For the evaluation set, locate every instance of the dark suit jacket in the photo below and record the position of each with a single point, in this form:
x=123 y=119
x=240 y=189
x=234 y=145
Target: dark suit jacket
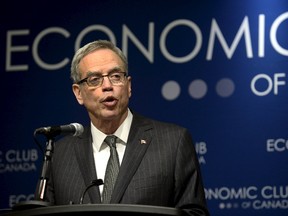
x=162 y=172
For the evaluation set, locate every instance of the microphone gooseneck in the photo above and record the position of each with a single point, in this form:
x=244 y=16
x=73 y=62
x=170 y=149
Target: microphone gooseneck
x=50 y=132
x=96 y=182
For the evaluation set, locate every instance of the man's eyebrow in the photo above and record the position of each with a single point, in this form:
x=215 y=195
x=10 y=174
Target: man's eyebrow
x=92 y=73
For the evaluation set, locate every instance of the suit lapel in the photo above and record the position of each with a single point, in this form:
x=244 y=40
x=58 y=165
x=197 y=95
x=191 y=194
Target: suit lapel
x=137 y=144
x=85 y=158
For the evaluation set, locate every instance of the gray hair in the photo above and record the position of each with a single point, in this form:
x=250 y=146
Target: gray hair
x=89 y=48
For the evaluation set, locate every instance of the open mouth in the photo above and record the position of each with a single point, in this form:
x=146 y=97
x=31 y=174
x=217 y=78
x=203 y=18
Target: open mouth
x=109 y=101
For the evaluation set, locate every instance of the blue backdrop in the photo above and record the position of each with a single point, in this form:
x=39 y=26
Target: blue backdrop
x=218 y=68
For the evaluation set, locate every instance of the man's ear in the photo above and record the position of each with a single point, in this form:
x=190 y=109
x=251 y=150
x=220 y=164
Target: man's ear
x=129 y=87
x=77 y=92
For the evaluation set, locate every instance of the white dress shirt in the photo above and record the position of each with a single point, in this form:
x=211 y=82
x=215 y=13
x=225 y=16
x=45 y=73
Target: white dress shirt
x=101 y=151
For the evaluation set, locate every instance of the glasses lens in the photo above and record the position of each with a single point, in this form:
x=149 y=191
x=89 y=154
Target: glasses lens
x=117 y=77
x=94 y=80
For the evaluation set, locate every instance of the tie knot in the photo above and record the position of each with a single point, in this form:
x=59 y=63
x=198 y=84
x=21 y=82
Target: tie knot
x=111 y=140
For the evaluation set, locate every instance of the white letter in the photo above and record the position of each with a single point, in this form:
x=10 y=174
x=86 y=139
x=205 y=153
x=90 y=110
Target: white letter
x=147 y=53
x=270 y=144
x=193 y=53
x=273 y=33
x=10 y=156
x=277 y=147
x=10 y=49
x=277 y=82
x=244 y=29
x=253 y=82
x=12 y=200
x=249 y=195
x=36 y=44
x=264 y=194
x=261 y=36
x=34 y=154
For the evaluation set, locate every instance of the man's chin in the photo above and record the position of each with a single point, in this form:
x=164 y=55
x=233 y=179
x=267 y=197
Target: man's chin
x=110 y=114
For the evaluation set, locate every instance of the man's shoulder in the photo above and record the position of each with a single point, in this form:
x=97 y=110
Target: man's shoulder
x=157 y=122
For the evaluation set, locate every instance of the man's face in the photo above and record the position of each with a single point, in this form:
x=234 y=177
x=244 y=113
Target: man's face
x=108 y=101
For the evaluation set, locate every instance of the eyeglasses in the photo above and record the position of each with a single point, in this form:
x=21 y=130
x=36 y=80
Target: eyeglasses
x=96 y=80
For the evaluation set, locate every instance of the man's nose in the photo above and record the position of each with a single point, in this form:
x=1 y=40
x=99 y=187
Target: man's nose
x=106 y=82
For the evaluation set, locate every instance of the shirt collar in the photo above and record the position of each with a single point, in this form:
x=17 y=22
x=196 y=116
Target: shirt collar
x=122 y=132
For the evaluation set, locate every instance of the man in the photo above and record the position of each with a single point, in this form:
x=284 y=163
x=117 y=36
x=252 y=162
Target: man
x=158 y=163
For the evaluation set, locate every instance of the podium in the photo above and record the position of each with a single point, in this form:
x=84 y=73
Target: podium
x=96 y=209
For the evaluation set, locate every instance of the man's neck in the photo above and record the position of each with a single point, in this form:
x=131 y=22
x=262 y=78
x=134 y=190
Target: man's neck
x=109 y=126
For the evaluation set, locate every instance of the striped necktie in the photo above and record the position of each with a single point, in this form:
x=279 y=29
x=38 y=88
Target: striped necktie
x=112 y=169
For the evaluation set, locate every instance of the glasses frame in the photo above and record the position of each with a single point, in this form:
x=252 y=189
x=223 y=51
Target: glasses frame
x=102 y=78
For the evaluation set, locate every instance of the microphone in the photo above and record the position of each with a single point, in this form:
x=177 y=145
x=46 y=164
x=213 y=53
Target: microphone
x=96 y=182
x=74 y=128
